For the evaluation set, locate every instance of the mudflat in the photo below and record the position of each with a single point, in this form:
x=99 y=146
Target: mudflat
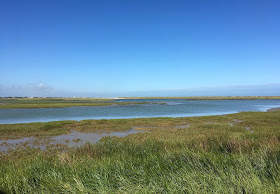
x=273 y=109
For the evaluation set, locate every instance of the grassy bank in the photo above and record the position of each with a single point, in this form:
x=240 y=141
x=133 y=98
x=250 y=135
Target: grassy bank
x=237 y=153
x=19 y=103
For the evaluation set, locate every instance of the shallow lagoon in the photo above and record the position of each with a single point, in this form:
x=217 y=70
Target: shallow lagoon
x=170 y=108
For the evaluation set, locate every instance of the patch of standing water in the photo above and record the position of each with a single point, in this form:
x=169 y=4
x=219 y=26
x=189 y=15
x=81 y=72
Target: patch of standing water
x=235 y=121
x=74 y=139
x=249 y=129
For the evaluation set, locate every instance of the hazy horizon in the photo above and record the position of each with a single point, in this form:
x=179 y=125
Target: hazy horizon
x=251 y=90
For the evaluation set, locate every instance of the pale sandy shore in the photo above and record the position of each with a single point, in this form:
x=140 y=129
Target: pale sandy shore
x=273 y=109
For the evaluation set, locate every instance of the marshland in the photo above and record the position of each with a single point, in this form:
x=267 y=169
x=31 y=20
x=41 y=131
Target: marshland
x=228 y=153
x=139 y=96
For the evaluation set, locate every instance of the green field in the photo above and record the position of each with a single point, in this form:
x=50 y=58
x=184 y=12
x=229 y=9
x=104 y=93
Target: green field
x=236 y=153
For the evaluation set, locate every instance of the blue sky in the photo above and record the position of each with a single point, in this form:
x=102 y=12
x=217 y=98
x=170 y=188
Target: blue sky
x=139 y=48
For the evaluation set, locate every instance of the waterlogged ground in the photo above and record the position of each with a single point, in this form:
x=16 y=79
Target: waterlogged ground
x=76 y=138
x=136 y=108
x=72 y=139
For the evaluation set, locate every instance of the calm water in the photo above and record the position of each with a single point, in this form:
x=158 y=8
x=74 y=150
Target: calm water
x=172 y=108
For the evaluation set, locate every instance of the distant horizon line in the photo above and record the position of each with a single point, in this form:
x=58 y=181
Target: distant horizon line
x=125 y=97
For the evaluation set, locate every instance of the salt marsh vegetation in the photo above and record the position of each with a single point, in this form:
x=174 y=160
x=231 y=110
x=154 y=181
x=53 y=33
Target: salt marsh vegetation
x=208 y=154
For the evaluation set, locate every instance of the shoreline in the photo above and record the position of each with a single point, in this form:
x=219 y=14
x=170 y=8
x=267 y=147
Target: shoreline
x=122 y=123
x=273 y=109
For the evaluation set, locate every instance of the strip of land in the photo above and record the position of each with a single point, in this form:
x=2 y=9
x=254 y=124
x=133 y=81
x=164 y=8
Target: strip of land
x=26 y=103
x=209 y=97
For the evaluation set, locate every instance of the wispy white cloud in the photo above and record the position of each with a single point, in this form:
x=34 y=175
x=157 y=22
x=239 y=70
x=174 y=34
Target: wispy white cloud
x=40 y=89
x=43 y=90
x=40 y=86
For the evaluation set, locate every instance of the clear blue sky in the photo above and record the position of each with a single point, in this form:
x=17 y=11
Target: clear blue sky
x=139 y=47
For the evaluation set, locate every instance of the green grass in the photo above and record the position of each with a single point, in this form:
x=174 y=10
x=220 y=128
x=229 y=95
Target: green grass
x=209 y=156
x=13 y=131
